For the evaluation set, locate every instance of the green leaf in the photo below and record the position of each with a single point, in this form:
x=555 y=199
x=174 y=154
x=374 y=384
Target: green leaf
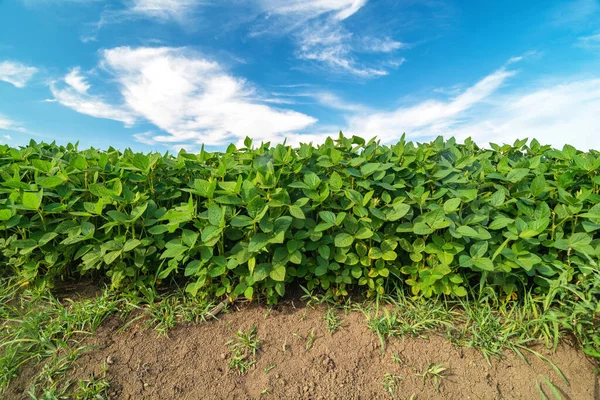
x=217 y=270
x=50 y=181
x=5 y=215
x=397 y=212
x=451 y=205
x=517 y=174
x=343 y=240
x=258 y=242
x=369 y=168
x=484 y=263
x=131 y=244
x=328 y=217
x=467 y=231
x=189 y=237
x=296 y=212
x=363 y=233
x=215 y=215
x=241 y=221
x=278 y=273
x=420 y=228
x=538 y=185
x=32 y=201
x=173 y=250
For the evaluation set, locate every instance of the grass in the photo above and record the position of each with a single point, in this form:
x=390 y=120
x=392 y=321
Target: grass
x=407 y=317
x=332 y=322
x=436 y=372
x=39 y=328
x=391 y=383
x=243 y=348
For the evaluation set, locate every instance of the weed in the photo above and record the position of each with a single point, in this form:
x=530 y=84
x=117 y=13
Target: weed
x=397 y=358
x=332 y=321
x=436 y=372
x=553 y=389
x=243 y=348
x=269 y=367
x=310 y=339
x=390 y=383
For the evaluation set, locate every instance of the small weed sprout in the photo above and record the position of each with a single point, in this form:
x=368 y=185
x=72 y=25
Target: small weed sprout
x=243 y=348
x=436 y=372
x=269 y=367
x=332 y=321
x=390 y=383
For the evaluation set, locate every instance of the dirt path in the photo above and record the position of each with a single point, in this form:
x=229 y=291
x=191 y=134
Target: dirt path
x=192 y=363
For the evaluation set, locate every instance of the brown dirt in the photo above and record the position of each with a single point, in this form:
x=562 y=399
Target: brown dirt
x=192 y=363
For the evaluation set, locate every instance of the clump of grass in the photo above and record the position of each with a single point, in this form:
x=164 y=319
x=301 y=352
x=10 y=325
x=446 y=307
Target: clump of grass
x=243 y=348
x=39 y=327
x=332 y=321
x=408 y=317
x=390 y=383
x=435 y=372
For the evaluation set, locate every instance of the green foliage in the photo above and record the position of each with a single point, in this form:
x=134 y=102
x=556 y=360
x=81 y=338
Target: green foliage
x=441 y=217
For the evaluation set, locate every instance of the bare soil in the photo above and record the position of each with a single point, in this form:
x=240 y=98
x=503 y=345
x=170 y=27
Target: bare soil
x=192 y=363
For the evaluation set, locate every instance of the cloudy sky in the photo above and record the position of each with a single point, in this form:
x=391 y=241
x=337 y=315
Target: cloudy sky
x=170 y=74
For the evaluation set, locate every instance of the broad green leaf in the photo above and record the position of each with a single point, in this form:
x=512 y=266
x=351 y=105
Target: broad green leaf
x=296 y=212
x=50 y=181
x=397 y=212
x=451 y=205
x=278 y=273
x=258 y=242
x=538 y=185
x=343 y=240
x=32 y=201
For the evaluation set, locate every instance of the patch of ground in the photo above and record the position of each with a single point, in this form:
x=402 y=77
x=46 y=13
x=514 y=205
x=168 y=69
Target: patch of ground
x=192 y=363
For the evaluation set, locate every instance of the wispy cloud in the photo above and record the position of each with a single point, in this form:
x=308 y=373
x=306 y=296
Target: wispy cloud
x=72 y=92
x=591 y=41
x=430 y=117
x=309 y=9
x=556 y=115
x=16 y=73
x=7 y=124
x=322 y=39
x=330 y=45
x=191 y=99
x=381 y=45
x=163 y=9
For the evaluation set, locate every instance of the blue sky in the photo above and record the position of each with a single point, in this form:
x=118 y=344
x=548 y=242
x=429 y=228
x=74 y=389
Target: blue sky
x=169 y=74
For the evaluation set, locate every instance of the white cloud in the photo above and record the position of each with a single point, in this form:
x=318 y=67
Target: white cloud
x=77 y=81
x=335 y=102
x=309 y=9
x=430 y=117
x=385 y=45
x=318 y=29
x=330 y=45
x=7 y=124
x=191 y=99
x=556 y=115
x=163 y=9
x=74 y=94
x=16 y=73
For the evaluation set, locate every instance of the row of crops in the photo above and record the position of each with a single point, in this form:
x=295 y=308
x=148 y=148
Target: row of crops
x=439 y=217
